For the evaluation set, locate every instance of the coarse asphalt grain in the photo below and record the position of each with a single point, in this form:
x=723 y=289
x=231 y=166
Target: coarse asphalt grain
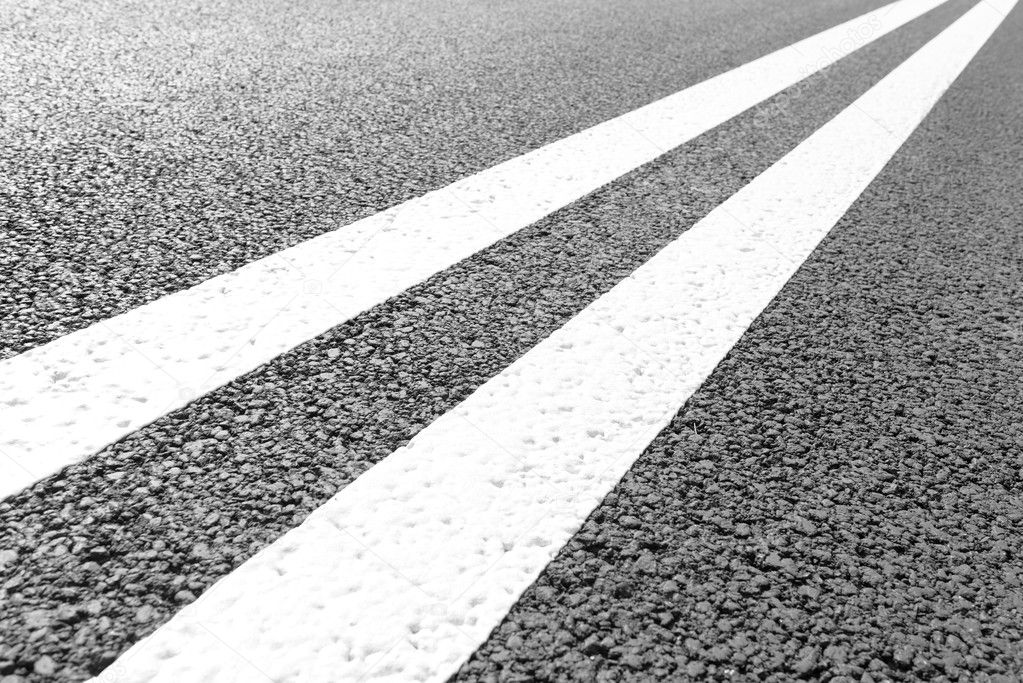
x=843 y=498
x=104 y=552
x=149 y=146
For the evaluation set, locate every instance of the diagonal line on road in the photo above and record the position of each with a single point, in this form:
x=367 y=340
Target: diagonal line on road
x=570 y=416
x=182 y=340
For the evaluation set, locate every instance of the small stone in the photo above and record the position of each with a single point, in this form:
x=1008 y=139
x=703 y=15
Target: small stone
x=545 y=593
x=632 y=660
x=903 y=655
x=91 y=567
x=951 y=660
x=646 y=563
x=807 y=661
x=871 y=577
x=806 y=526
x=38 y=618
x=719 y=653
x=7 y=556
x=191 y=447
x=811 y=592
x=45 y=666
x=630 y=522
x=104 y=659
x=99 y=553
x=66 y=613
x=592 y=646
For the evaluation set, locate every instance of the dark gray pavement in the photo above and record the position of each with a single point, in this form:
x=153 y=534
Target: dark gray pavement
x=843 y=498
x=148 y=146
x=106 y=551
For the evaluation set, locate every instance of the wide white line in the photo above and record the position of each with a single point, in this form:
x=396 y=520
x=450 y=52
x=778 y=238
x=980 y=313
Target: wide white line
x=403 y=573
x=67 y=399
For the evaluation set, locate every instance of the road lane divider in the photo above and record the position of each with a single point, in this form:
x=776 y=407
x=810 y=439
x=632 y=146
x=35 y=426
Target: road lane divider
x=402 y=574
x=66 y=400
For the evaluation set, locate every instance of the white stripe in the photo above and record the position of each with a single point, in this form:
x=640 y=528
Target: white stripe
x=66 y=400
x=402 y=574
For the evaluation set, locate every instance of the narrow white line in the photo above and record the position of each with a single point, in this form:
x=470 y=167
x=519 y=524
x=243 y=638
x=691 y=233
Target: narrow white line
x=66 y=400
x=402 y=574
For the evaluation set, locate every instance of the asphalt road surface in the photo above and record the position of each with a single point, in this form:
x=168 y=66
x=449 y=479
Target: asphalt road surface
x=839 y=497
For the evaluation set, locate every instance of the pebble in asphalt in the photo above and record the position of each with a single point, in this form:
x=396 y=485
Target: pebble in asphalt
x=841 y=500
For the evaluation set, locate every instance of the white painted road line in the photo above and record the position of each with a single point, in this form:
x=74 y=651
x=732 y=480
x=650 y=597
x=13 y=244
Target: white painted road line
x=67 y=399
x=402 y=574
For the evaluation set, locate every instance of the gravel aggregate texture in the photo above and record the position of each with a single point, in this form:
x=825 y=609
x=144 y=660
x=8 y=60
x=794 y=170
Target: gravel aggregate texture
x=842 y=499
x=87 y=389
x=408 y=569
x=104 y=552
x=148 y=147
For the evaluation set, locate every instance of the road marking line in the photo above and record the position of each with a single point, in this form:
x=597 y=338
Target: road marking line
x=66 y=400
x=402 y=574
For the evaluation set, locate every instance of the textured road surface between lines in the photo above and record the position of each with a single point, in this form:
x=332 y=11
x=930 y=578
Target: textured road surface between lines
x=74 y=395
x=148 y=147
x=842 y=499
x=405 y=572
x=109 y=549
